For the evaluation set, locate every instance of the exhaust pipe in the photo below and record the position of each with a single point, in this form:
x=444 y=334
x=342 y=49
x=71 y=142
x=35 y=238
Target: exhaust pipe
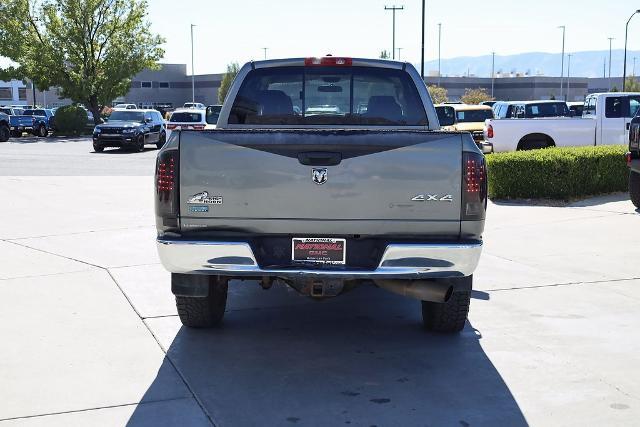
x=424 y=290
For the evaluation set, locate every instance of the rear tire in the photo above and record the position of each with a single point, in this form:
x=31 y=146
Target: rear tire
x=161 y=140
x=42 y=131
x=204 y=312
x=449 y=317
x=5 y=133
x=535 y=142
x=139 y=146
x=634 y=188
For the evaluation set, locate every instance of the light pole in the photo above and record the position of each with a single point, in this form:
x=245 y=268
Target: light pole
x=624 y=67
x=393 y=10
x=610 y=40
x=265 y=52
x=562 y=60
x=193 y=79
x=399 y=49
x=439 y=39
x=493 y=66
x=568 y=75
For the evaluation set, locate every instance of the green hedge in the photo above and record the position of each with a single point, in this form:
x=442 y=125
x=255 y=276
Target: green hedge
x=70 y=120
x=557 y=173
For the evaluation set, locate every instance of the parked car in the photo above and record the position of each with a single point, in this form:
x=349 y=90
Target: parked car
x=530 y=109
x=131 y=129
x=213 y=113
x=5 y=132
x=126 y=107
x=633 y=161
x=187 y=119
x=197 y=105
x=605 y=121
x=488 y=103
x=10 y=111
x=323 y=202
x=576 y=108
x=469 y=118
x=35 y=121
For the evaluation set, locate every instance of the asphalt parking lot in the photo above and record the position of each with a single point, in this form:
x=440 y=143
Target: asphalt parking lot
x=90 y=334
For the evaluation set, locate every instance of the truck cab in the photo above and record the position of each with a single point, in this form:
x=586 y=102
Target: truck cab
x=612 y=112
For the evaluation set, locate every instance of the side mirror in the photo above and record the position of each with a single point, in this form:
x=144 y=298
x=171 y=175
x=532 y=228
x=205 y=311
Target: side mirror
x=148 y=120
x=446 y=115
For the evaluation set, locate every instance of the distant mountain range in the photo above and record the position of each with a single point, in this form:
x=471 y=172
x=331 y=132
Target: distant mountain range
x=583 y=64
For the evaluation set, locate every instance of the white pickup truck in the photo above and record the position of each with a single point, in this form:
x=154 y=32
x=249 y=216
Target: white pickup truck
x=605 y=121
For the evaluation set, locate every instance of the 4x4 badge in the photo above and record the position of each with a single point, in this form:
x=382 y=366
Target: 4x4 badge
x=432 y=198
x=319 y=175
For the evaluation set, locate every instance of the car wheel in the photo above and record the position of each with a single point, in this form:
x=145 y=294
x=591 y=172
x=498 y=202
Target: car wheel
x=204 y=312
x=42 y=131
x=139 y=146
x=448 y=317
x=4 y=133
x=98 y=148
x=634 y=188
x=16 y=134
x=161 y=140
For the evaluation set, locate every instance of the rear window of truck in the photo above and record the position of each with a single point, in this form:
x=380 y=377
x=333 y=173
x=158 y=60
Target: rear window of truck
x=328 y=96
x=472 y=116
x=186 y=117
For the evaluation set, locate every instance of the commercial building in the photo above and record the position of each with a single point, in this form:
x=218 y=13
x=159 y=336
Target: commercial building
x=170 y=87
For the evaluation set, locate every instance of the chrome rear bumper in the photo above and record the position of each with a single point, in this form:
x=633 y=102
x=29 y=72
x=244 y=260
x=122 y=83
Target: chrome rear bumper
x=410 y=261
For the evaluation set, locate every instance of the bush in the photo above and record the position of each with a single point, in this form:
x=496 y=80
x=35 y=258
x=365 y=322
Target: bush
x=557 y=173
x=70 y=120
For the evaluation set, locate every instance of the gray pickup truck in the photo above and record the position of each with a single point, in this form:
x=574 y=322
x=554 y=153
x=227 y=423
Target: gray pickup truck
x=323 y=173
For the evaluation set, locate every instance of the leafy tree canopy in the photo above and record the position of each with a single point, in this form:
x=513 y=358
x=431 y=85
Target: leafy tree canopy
x=227 y=79
x=90 y=49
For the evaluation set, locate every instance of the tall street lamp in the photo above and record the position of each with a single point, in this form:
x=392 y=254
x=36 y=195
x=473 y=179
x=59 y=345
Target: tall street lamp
x=562 y=60
x=626 y=32
x=439 y=39
x=265 y=52
x=610 y=40
x=193 y=81
x=393 y=10
x=568 y=75
x=493 y=66
x=399 y=49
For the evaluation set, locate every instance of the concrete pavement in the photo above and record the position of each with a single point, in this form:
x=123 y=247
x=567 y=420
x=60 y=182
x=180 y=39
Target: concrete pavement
x=91 y=336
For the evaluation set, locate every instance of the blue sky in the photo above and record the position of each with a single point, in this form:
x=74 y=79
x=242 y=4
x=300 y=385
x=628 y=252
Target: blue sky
x=237 y=30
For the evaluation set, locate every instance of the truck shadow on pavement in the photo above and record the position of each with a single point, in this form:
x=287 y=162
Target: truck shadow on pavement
x=361 y=359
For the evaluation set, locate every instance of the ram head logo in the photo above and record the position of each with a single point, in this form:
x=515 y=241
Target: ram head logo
x=319 y=175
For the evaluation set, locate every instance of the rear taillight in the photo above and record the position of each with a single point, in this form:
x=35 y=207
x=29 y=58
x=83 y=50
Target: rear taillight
x=328 y=61
x=167 y=203
x=490 y=131
x=634 y=136
x=474 y=186
x=171 y=126
x=198 y=127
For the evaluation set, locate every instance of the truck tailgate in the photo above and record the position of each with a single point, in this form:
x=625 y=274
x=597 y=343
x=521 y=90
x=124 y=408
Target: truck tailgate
x=390 y=182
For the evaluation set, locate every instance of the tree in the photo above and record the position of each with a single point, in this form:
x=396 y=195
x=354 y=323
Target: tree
x=475 y=96
x=384 y=54
x=227 y=79
x=615 y=89
x=90 y=49
x=632 y=84
x=438 y=94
